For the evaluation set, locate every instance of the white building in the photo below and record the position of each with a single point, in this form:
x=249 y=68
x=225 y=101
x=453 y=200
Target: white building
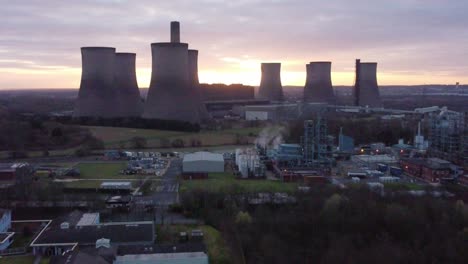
x=202 y=161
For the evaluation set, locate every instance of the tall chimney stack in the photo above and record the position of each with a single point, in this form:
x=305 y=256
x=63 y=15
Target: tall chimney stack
x=175 y=32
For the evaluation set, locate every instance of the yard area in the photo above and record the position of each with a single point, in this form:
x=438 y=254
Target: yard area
x=218 y=251
x=225 y=182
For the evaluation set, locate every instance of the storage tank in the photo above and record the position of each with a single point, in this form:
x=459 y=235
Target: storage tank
x=97 y=96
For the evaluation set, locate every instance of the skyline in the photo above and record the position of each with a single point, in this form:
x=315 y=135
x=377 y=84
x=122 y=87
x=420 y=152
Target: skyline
x=414 y=42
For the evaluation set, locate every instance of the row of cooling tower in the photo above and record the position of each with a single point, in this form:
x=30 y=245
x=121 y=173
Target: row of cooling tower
x=109 y=87
x=318 y=86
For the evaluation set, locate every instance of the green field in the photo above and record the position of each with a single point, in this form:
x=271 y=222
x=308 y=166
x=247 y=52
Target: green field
x=218 y=251
x=115 y=137
x=104 y=171
x=21 y=260
x=226 y=182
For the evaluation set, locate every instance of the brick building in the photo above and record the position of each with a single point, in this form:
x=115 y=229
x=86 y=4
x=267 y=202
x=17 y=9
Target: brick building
x=430 y=170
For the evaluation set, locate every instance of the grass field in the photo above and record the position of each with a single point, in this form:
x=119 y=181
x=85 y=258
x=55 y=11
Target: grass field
x=21 y=260
x=103 y=171
x=218 y=251
x=226 y=182
x=91 y=184
x=115 y=137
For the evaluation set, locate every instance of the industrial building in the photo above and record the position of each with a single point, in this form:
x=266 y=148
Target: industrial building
x=318 y=87
x=15 y=173
x=78 y=229
x=432 y=170
x=366 y=90
x=249 y=164
x=199 y=164
x=172 y=95
x=270 y=84
x=316 y=143
x=6 y=237
x=447 y=133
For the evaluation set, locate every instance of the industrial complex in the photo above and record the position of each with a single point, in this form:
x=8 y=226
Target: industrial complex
x=109 y=90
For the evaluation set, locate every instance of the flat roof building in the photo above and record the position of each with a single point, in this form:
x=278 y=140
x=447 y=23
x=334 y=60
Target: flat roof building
x=203 y=161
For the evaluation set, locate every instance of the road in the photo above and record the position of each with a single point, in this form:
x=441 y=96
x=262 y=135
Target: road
x=167 y=192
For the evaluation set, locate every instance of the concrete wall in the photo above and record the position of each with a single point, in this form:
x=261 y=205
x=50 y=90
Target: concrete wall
x=368 y=87
x=129 y=99
x=270 y=84
x=96 y=97
x=318 y=86
x=169 y=96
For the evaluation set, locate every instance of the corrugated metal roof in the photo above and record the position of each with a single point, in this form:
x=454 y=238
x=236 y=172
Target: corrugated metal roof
x=203 y=156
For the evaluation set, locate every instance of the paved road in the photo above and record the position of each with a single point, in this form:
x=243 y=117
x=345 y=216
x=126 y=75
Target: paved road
x=167 y=192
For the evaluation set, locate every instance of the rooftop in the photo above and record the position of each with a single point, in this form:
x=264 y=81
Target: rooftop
x=203 y=155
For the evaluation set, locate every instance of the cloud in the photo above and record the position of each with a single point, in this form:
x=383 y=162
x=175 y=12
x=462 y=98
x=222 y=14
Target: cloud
x=412 y=36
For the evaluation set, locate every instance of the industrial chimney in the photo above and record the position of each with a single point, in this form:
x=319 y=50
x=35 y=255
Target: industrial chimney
x=96 y=97
x=170 y=95
x=126 y=86
x=318 y=87
x=270 y=84
x=193 y=79
x=175 y=32
x=367 y=93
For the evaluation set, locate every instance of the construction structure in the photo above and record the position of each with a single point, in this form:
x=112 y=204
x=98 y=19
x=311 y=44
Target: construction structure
x=171 y=94
x=315 y=142
x=270 y=84
x=447 y=135
x=366 y=90
x=318 y=87
x=129 y=102
x=97 y=96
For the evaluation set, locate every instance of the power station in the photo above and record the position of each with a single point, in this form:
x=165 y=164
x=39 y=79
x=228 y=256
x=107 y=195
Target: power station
x=270 y=84
x=366 y=90
x=318 y=87
x=109 y=87
x=171 y=95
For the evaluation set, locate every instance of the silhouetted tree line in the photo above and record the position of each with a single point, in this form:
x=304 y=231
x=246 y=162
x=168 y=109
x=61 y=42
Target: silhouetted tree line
x=363 y=131
x=328 y=225
x=131 y=122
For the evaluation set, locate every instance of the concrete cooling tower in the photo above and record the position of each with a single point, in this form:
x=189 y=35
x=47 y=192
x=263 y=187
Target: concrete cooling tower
x=128 y=95
x=318 y=87
x=270 y=84
x=96 y=96
x=170 y=95
x=367 y=89
x=193 y=79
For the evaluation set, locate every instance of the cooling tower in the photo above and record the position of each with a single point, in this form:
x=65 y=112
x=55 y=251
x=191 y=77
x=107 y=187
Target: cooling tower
x=170 y=95
x=318 y=87
x=270 y=84
x=128 y=94
x=368 y=92
x=96 y=97
x=193 y=79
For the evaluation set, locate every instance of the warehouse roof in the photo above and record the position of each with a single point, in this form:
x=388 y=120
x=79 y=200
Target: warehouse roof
x=203 y=156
